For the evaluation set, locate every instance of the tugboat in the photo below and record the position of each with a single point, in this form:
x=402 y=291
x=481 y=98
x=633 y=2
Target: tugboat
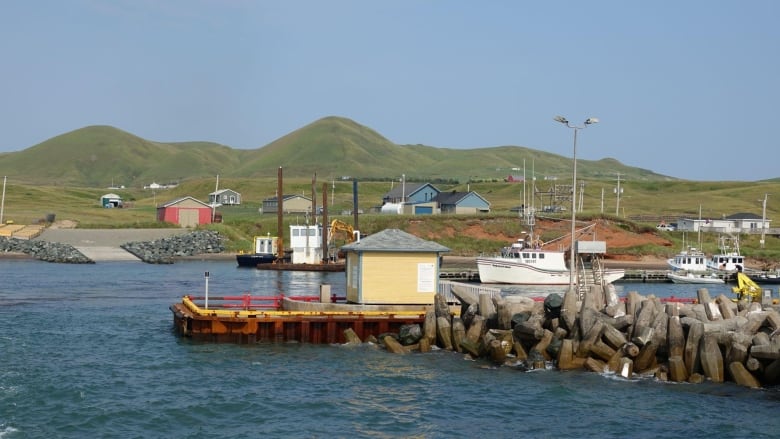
x=264 y=252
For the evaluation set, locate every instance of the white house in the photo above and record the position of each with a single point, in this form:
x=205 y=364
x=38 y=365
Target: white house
x=736 y=223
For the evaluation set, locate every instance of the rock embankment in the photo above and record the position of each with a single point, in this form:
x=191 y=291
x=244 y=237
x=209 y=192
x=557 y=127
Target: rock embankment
x=165 y=250
x=44 y=250
x=712 y=339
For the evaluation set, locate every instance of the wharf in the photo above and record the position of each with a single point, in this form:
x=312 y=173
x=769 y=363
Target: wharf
x=287 y=266
x=251 y=323
x=646 y=276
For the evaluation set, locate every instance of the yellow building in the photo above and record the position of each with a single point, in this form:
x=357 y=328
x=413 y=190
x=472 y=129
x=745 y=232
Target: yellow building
x=392 y=267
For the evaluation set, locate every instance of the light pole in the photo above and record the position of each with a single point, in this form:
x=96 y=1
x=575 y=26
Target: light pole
x=572 y=264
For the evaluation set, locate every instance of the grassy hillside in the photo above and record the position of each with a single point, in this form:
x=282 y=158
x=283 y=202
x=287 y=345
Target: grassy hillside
x=100 y=156
x=332 y=147
x=30 y=203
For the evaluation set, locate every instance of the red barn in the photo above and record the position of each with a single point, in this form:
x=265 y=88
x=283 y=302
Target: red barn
x=186 y=212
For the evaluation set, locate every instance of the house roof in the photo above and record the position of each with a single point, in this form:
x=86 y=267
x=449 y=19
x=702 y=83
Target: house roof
x=407 y=189
x=734 y=217
x=222 y=191
x=395 y=240
x=179 y=200
x=111 y=195
x=743 y=216
x=455 y=197
x=288 y=197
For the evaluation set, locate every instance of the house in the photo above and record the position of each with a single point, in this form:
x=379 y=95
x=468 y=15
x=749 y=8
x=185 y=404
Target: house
x=111 y=200
x=736 y=223
x=411 y=199
x=462 y=203
x=411 y=193
x=392 y=267
x=186 y=212
x=225 y=197
x=290 y=204
x=425 y=199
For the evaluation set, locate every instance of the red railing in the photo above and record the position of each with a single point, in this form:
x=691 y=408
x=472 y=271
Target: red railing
x=248 y=301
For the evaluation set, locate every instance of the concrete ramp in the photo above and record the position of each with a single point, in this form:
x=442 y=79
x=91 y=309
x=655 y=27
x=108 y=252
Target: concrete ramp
x=104 y=244
x=104 y=254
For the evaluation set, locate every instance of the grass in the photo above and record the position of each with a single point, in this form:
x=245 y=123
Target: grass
x=27 y=204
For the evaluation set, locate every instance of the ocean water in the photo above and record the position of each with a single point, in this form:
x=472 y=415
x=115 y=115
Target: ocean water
x=88 y=351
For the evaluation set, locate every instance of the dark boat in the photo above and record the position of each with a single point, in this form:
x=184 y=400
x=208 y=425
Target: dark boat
x=264 y=252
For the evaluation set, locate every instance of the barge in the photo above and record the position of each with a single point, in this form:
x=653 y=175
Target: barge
x=249 y=323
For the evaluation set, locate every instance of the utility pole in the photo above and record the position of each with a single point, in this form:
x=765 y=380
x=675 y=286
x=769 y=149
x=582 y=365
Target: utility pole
x=763 y=221
x=602 y=200
x=618 y=191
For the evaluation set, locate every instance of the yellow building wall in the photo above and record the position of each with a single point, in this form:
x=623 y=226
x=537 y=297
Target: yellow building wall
x=392 y=278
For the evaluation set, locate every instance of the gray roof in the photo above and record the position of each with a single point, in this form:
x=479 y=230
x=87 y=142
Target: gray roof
x=395 y=240
x=407 y=189
x=450 y=197
x=222 y=191
x=743 y=216
x=286 y=197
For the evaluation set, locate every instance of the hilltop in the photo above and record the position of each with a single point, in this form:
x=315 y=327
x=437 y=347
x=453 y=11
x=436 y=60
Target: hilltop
x=335 y=147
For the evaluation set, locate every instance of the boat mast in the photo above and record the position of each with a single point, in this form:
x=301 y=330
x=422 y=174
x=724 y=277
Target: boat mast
x=528 y=214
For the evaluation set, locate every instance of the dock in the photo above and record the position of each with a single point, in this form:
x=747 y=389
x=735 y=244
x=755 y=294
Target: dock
x=288 y=266
x=251 y=323
x=645 y=276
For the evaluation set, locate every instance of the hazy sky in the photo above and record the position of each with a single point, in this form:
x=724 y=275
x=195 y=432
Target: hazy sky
x=683 y=88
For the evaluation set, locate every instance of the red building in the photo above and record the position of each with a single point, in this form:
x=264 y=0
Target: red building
x=186 y=212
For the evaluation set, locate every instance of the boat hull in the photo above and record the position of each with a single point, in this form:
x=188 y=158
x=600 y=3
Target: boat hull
x=694 y=279
x=252 y=259
x=513 y=271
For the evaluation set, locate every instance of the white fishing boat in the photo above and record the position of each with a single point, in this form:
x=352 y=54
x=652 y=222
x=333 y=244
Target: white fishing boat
x=691 y=260
x=527 y=262
x=695 y=278
x=728 y=259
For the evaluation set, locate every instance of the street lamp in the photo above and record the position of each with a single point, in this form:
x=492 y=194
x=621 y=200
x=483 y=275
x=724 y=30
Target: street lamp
x=572 y=264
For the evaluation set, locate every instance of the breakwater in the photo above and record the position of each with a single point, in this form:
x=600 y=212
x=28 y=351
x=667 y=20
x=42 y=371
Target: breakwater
x=44 y=250
x=165 y=250
x=708 y=339
x=158 y=251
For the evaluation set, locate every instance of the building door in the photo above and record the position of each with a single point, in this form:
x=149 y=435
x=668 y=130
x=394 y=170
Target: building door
x=188 y=217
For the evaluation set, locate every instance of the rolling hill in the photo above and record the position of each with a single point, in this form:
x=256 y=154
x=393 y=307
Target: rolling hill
x=100 y=156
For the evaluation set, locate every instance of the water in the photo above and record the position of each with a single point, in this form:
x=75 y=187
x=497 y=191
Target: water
x=88 y=351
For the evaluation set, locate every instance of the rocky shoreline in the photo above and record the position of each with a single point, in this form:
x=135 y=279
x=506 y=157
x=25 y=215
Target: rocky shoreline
x=158 y=251
x=166 y=250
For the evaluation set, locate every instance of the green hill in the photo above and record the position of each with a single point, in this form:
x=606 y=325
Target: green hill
x=332 y=147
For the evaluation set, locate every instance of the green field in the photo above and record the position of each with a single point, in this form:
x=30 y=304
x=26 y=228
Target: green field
x=27 y=204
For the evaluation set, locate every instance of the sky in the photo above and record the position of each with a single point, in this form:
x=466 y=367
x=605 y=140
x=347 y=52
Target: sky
x=685 y=89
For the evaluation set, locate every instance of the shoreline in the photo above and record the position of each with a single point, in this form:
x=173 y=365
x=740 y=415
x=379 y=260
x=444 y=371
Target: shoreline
x=448 y=262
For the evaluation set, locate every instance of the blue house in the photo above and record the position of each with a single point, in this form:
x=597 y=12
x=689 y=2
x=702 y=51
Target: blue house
x=425 y=199
x=462 y=203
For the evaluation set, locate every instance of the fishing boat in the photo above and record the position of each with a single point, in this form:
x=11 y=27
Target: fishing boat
x=695 y=278
x=729 y=258
x=766 y=277
x=528 y=262
x=265 y=252
x=691 y=260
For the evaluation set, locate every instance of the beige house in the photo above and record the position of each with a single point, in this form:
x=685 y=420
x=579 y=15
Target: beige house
x=392 y=267
x=290 y=204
